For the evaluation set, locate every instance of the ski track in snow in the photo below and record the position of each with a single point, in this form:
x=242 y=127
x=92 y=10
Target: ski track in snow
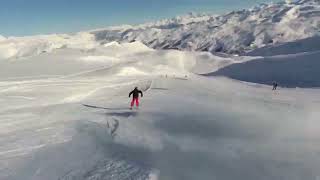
x=148 y=138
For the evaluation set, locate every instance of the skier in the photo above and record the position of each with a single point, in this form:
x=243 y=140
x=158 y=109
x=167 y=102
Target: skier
x=275 y=85
x=135 y=97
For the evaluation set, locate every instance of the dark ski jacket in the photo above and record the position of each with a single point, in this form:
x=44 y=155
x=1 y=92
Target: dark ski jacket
x=275 y=84
x=135 y=93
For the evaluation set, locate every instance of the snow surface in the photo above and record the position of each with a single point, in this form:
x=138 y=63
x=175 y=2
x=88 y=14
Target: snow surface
x=56 y=123
x=64 y=99
x=298 y=70
x=19 y=47
x=295 y=47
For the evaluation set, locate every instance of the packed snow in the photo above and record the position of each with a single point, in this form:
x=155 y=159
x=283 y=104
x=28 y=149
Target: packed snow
x=65 y=107
x=72 y=120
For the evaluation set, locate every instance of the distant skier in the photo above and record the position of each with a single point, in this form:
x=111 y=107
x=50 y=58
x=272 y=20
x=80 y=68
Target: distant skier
x=135 y=97
x=275 y=85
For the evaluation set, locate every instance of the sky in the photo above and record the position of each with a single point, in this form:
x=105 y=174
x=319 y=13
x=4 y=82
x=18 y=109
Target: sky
x=30 y=17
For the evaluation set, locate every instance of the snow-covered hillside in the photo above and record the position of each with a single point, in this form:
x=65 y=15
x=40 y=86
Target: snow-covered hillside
x=19 y=47
x=300 y=46
x=298 y=70
x=64 y=115
x=235 y=32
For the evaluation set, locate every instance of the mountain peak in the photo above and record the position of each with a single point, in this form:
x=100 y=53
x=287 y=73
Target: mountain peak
x=234 y=32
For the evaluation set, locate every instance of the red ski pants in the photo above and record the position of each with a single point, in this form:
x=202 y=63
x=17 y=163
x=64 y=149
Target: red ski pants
x=135 y=100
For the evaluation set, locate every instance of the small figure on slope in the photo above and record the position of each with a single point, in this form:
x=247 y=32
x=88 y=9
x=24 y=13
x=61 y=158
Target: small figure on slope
x=135 y=97
x=275 y=85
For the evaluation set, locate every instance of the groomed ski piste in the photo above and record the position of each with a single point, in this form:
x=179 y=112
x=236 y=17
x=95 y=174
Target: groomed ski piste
x=65 y=115
x=65 y=109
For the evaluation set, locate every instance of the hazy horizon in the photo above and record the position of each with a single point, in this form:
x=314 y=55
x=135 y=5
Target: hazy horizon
x=23 y=18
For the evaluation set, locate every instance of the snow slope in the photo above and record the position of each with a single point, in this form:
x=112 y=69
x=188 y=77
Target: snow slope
x=188 y=127
x=64 y=99
x=295 y=47
x=113 y=59
x=296 y=70
x=19 y=47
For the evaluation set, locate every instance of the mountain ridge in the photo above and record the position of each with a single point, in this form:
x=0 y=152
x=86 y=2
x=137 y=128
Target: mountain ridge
x=236 y=32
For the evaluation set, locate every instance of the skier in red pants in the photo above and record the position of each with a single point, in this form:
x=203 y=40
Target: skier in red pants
x=135 y=97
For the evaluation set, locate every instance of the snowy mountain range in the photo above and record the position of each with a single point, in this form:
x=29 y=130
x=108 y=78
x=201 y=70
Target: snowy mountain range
x=236 y=32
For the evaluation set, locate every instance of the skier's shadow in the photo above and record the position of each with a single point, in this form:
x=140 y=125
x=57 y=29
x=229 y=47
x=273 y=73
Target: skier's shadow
x=125 y=114
x=105 y=108
x=118 y=112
